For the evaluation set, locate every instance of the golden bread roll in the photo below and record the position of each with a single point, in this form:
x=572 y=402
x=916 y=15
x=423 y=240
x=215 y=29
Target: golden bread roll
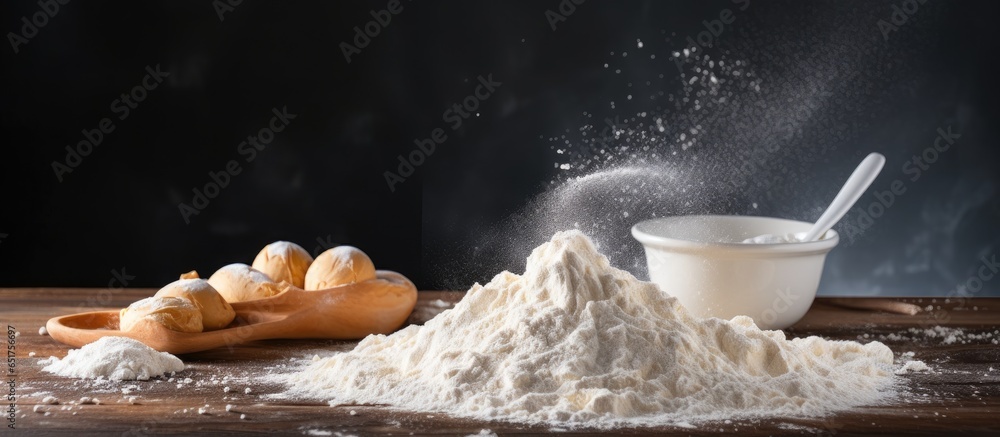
x=193 y=274
x=174 y=313
x=284 y=261
x=216 y=313
x=339 y=266
x=240 y=283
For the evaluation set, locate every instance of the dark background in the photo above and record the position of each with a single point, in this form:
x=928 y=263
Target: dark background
x=320 y=182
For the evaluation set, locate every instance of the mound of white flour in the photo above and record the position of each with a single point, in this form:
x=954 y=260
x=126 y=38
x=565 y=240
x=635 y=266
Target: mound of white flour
x=576 y=340
x=115 y=358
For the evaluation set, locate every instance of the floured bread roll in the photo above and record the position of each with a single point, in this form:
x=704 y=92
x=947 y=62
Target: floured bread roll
x=284 y=261
x=173 y=313
x=240 y=283
x=216 y=313
x=339 y=266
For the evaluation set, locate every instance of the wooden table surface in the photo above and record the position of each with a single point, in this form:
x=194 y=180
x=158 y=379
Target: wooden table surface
x=960 y=395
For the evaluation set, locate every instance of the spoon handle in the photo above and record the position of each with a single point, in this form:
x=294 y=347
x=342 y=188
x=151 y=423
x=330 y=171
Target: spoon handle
x=855 y=186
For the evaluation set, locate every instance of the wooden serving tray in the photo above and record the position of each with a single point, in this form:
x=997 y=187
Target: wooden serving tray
x=346 y=312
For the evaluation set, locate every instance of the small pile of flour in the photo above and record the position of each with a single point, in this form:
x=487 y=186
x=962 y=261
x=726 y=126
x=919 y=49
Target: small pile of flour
x=576 y=341
x=114 y=358
x=913 y=367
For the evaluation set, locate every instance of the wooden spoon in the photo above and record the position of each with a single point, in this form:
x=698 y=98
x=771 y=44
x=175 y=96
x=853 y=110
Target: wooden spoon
x=353 y=311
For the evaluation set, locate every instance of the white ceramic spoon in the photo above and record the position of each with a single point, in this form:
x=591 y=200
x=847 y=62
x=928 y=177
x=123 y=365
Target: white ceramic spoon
x=852 y=190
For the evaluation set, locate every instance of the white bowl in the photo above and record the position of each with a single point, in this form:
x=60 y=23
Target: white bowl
x=701 y=261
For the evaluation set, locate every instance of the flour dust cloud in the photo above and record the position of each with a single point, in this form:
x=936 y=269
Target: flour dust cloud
x=746 y=125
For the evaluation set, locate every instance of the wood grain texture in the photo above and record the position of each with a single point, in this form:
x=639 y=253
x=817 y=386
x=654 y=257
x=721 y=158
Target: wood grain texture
x=960 y=396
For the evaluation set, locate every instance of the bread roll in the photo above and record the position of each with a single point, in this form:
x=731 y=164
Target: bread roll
x=284 y=261
x=193 y=274
x=172 y=312
x=216 y=313
x=339 y=266
x=240 y=283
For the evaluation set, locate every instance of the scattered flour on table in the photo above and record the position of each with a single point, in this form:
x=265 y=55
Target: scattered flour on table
x=912 y=367
x=324 y=432
x=440 y=303
x=947 y=335
x=114 y=358
x=576 y=341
